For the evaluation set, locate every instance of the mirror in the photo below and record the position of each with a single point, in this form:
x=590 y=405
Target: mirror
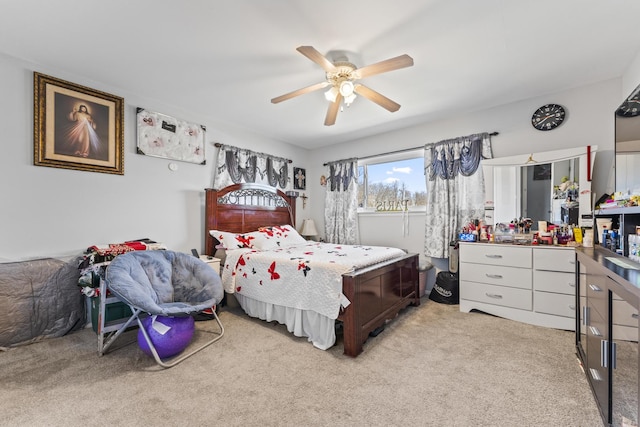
x=554 y=186
x=627 y=147
x=550 y=191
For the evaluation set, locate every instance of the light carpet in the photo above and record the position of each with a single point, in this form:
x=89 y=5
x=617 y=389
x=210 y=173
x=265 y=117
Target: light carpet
x=432 y=366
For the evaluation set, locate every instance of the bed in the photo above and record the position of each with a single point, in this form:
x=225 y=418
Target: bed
x=370 y=293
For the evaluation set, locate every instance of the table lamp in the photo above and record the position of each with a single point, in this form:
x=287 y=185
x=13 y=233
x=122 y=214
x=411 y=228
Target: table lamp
x=308 y=229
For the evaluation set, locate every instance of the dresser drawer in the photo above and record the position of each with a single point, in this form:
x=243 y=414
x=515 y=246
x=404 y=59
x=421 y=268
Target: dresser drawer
x=508 y=255
x=497 y=295
x=583 y=285
x=554 y=259
x=496 y=275
x=557 y=304
x=597 y=293
x=553 y=281
x=624 y=313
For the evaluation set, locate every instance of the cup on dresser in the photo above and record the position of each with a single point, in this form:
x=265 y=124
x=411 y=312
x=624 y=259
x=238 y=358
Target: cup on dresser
x=587 y=240
x=603 y=224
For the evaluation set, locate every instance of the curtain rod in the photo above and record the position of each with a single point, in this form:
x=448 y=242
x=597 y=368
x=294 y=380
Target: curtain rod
x=396 y=152
x=218 y=145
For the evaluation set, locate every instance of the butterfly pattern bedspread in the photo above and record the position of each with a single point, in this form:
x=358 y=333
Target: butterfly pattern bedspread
x=306 y=277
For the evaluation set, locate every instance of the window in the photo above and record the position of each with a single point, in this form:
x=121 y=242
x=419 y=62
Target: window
x=392 y=183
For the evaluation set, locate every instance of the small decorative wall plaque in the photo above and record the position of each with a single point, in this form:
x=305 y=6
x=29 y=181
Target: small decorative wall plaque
x=299 y=179
x=164 y=136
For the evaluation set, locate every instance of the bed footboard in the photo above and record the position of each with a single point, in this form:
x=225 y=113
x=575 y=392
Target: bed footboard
x=377 y=294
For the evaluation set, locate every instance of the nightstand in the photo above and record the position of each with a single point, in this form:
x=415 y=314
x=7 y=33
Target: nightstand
x=212 y=262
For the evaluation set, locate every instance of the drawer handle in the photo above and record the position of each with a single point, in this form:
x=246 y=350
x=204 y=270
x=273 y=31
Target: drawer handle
x=493 y=256
x=571 y=284
x=495 y=296
x=595 y=375
x=634 y=315
x=572 y=307
x=572 y=262
x=494 y=276
x=595 y=288
x=604 y=353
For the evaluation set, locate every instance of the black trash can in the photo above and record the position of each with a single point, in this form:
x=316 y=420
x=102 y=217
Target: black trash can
x=446 y=290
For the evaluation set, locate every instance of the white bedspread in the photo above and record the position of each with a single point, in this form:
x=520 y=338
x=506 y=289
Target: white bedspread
x=306 y=277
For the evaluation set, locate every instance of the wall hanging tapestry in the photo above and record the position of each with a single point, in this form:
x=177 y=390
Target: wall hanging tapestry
x=164 y=136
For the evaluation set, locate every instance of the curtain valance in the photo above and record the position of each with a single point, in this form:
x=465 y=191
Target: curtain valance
x=238 y=165
x=448 y=158
x=341 y=173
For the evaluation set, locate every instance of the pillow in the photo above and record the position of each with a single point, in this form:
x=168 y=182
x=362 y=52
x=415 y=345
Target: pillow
x=277 y=237
x=228 y=240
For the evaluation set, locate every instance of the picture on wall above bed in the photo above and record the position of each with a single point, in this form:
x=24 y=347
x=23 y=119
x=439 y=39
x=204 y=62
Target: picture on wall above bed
x=164 y=136
x=76 y=127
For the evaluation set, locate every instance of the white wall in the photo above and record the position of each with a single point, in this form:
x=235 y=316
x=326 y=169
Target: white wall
x=631 y=78
x=590 y=121
x=52 y=212
x=59 y=212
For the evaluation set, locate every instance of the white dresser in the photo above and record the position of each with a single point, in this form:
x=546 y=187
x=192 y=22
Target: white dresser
x=530 y=284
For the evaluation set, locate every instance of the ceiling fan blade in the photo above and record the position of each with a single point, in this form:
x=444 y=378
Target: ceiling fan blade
x=298 y=92
x=311 y=53
x=332 y=111
x=376 y=97
x=396 y=63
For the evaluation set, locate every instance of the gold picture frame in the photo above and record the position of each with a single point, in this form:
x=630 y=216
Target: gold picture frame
x=76 y=127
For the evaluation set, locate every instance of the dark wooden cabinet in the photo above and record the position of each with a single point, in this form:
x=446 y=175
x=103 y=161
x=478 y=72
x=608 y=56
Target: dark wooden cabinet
x=607 y=331
x=625 y=220
x=624 y=373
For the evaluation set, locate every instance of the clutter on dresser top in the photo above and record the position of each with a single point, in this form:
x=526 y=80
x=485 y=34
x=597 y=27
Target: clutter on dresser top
x=519 y=232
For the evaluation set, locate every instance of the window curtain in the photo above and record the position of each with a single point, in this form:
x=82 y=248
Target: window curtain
x=341 y=202
x=455 y=189
x=236 y=165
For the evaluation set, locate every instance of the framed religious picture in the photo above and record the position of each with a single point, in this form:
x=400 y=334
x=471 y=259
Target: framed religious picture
x=299 y=179
x=76 y=127
x=164 y=136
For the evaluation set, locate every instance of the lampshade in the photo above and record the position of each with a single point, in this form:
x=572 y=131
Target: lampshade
x=346 y=88
x=331 y=94
x=308 y=228
x=349 y=99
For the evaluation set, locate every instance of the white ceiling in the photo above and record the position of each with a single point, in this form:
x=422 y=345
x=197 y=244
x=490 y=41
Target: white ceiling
x=226 y=59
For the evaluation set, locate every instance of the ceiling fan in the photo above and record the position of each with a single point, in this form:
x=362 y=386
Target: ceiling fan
x=341 y=76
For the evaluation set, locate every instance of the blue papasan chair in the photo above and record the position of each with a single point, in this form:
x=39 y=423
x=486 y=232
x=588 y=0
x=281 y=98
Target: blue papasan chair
x=164 y=283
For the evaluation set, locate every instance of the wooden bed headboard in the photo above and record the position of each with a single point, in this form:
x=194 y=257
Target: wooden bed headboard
x=242 y=208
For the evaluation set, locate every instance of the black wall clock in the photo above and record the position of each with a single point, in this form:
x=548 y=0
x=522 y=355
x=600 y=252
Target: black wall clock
x=548 y=117
x=630 y=107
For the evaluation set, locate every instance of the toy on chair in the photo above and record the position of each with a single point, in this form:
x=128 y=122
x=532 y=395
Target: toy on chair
x=169 y=335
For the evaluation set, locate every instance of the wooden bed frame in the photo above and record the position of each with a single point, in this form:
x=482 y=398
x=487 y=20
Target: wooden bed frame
x=377 y=293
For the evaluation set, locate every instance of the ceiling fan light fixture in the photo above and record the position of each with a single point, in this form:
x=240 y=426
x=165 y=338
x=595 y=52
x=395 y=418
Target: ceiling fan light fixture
x=331 y=94
x=340 y=75
x=349 y=99
x=346 y=88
